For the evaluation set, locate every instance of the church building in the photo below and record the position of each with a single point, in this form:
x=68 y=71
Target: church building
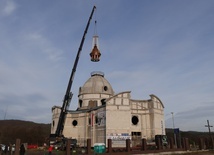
x=103 y=114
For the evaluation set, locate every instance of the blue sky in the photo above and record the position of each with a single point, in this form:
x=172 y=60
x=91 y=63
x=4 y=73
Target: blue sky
x=148 y=47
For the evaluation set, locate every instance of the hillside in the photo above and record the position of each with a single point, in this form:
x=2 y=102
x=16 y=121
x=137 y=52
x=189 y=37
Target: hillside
x=30 y=132
x=193 y=136
x=35 y=133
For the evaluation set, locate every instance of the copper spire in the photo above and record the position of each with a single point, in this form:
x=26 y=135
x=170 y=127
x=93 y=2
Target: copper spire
x=95 y=53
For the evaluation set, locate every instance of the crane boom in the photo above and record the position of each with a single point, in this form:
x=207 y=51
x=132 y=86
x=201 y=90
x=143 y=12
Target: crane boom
x=68 y=94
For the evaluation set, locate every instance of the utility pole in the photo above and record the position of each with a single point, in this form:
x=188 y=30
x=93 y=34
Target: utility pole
x=209 y=126
x=5 y=114
x=174 y=129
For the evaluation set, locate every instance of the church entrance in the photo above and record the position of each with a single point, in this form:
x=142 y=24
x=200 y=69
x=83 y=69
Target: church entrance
x=136 y=139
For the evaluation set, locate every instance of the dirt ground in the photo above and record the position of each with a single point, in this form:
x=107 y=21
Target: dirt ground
x=45 y=152
x=201 y=153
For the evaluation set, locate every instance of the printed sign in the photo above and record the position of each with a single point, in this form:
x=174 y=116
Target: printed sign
x=119 y=138
x=101 y=118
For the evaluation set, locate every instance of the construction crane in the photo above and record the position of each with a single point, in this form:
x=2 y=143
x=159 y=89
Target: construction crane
x=68 y=94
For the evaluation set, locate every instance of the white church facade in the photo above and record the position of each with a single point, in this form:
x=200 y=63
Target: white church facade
x=103 y=115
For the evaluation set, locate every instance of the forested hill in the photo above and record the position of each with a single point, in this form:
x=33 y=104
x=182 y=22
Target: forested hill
x=193 y=136
x=28 y=132
x=35 y=133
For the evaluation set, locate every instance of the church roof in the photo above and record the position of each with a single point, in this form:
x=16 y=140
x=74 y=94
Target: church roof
x=96 y=84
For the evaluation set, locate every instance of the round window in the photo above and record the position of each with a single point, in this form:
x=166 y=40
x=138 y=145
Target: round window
x=105 y=88
x=74 y=122
x=135 y=120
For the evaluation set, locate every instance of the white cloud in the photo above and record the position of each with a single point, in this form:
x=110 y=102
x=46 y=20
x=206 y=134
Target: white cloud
x=36 y=41
x=8 y=7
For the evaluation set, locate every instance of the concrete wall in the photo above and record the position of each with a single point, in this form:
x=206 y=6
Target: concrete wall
x=115 y=120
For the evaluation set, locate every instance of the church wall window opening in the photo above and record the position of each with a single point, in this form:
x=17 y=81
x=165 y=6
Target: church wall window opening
x=103 y=101
x=74 y=123
x=80 y=103
x=135 y=120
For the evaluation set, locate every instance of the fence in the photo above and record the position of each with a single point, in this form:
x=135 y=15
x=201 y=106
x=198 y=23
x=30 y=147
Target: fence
x=144 y=148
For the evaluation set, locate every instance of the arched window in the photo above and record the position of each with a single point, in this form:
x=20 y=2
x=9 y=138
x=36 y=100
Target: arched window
x=103 y=101
x=80 y=103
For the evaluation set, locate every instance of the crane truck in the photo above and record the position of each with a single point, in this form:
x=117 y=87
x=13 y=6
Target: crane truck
x=58 y=135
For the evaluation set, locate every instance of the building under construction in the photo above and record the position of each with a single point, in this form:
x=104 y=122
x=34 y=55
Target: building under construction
x=102 y=115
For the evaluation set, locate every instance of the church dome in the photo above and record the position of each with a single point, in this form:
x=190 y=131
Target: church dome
x=96 y=84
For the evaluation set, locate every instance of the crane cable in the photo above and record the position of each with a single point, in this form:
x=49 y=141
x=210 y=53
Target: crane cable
x=95 y=23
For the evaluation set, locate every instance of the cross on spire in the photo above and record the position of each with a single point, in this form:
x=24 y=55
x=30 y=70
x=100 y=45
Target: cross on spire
x=208 y=125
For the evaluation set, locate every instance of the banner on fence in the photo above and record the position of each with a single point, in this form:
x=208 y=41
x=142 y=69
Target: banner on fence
x=119 y=138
